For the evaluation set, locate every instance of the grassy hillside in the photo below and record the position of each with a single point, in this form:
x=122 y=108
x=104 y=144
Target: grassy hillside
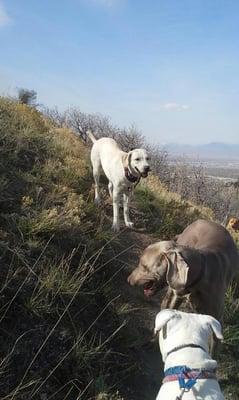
x=70 y=326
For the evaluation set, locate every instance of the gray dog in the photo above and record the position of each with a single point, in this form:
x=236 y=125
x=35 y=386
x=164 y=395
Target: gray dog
x=197 y=268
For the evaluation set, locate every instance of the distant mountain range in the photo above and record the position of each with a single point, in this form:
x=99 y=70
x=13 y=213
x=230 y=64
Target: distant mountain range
x=212 y=150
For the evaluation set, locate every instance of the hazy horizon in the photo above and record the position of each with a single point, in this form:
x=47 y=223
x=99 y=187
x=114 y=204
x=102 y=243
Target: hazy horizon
x=203 y=144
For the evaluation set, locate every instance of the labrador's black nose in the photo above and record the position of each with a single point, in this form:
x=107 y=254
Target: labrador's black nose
x=147 y=169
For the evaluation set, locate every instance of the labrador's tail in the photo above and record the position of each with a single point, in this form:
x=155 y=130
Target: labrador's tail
x=91 y=136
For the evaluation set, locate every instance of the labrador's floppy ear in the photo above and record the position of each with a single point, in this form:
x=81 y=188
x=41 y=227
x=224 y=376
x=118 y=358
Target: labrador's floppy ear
x=177 y=273
x=129 y=157
x=126 y=159
x=215 y=326
x=162 y=319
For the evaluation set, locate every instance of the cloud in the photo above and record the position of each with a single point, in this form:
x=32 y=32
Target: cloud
x=175 y=107
x=4 y=17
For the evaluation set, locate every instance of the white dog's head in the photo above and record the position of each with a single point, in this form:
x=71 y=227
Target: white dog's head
x=138 y=162
x=178 y=328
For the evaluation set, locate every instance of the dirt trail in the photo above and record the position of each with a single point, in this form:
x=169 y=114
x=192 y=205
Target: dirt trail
x=140 y=319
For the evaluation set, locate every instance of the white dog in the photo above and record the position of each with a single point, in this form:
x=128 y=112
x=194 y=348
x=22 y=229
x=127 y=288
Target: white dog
x=184 y=343
x=123 y=171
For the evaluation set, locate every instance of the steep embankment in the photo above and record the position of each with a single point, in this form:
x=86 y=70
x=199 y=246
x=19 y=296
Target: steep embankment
x=70 y=326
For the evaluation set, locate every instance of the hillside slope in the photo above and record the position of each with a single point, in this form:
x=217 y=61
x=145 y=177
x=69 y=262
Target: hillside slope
x=71 y=327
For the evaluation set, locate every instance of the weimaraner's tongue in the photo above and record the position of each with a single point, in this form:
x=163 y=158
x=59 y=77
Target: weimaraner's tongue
x=149 y=289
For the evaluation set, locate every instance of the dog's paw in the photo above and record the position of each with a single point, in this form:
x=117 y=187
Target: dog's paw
x=115 y=228
x=129 y=224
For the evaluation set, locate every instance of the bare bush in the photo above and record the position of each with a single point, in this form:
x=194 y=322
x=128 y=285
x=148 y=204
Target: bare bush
x=26 y=96
x=130 y=138
x=57 y=117
x=179 y=179
x=192 y=183
x=159 y=162
x=80 y=122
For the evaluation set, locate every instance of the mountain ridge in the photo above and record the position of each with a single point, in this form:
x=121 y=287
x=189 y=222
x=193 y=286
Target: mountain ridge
x=215 y=150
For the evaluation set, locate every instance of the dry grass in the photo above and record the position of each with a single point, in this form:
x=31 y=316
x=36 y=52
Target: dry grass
x=52 y=243
x=165 y=213
x=62 y=324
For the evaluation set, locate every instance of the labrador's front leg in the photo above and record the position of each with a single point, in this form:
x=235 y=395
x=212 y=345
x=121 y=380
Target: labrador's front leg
x=116 y=225
x=127 y=221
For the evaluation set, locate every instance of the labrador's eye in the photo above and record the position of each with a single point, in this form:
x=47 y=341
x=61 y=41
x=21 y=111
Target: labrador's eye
x=147 y=158
x=137 y=159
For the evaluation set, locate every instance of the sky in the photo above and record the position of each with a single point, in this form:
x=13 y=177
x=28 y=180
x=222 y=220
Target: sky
x=170 y=67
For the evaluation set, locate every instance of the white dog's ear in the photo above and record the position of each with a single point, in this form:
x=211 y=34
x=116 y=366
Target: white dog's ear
x=162 y=319
x=126 y=159
x=215 y=326
x=129 y=157
x=177 y=273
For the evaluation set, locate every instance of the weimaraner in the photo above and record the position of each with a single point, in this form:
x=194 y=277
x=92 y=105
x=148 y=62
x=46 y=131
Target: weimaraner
x=197 y=268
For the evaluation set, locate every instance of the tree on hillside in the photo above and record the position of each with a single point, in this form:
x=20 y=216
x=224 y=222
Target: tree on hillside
x=80 y=122
x=27 y=96
x=131 y=138
x=159 y=162
x=57 y=117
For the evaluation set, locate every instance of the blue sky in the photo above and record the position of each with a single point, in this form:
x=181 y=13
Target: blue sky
x=171 y=67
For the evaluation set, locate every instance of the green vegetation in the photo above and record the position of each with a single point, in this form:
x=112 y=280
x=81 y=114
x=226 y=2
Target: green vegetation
x=165 y=213
x=70 y=326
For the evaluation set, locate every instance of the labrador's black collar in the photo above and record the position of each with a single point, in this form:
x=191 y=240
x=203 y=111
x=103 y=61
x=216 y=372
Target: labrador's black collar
x=130 y=177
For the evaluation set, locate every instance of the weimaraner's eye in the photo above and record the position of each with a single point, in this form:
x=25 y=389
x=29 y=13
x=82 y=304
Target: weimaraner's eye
x=145 y=267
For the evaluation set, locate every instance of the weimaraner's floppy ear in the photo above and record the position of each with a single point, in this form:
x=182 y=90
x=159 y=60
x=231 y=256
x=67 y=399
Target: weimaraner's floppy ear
x=177 y=273
x=162 y=319
x=215 y=326
x=185 y=266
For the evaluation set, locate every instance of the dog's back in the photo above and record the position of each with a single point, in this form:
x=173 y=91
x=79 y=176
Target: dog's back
x=211 y=237
x=106 y=153
x=105 y=146
x=205 y=234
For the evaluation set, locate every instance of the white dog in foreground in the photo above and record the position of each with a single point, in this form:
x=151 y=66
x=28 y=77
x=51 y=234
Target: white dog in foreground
x=184 y=343
x=123 y=171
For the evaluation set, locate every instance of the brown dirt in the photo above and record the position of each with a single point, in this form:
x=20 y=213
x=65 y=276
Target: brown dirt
x=145 y=383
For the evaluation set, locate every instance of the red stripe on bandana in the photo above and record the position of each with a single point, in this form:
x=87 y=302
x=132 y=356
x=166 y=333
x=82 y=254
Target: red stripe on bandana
x=190 y=375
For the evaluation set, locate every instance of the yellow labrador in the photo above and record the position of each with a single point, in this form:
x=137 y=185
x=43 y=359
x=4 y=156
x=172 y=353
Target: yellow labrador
x=123 y=171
